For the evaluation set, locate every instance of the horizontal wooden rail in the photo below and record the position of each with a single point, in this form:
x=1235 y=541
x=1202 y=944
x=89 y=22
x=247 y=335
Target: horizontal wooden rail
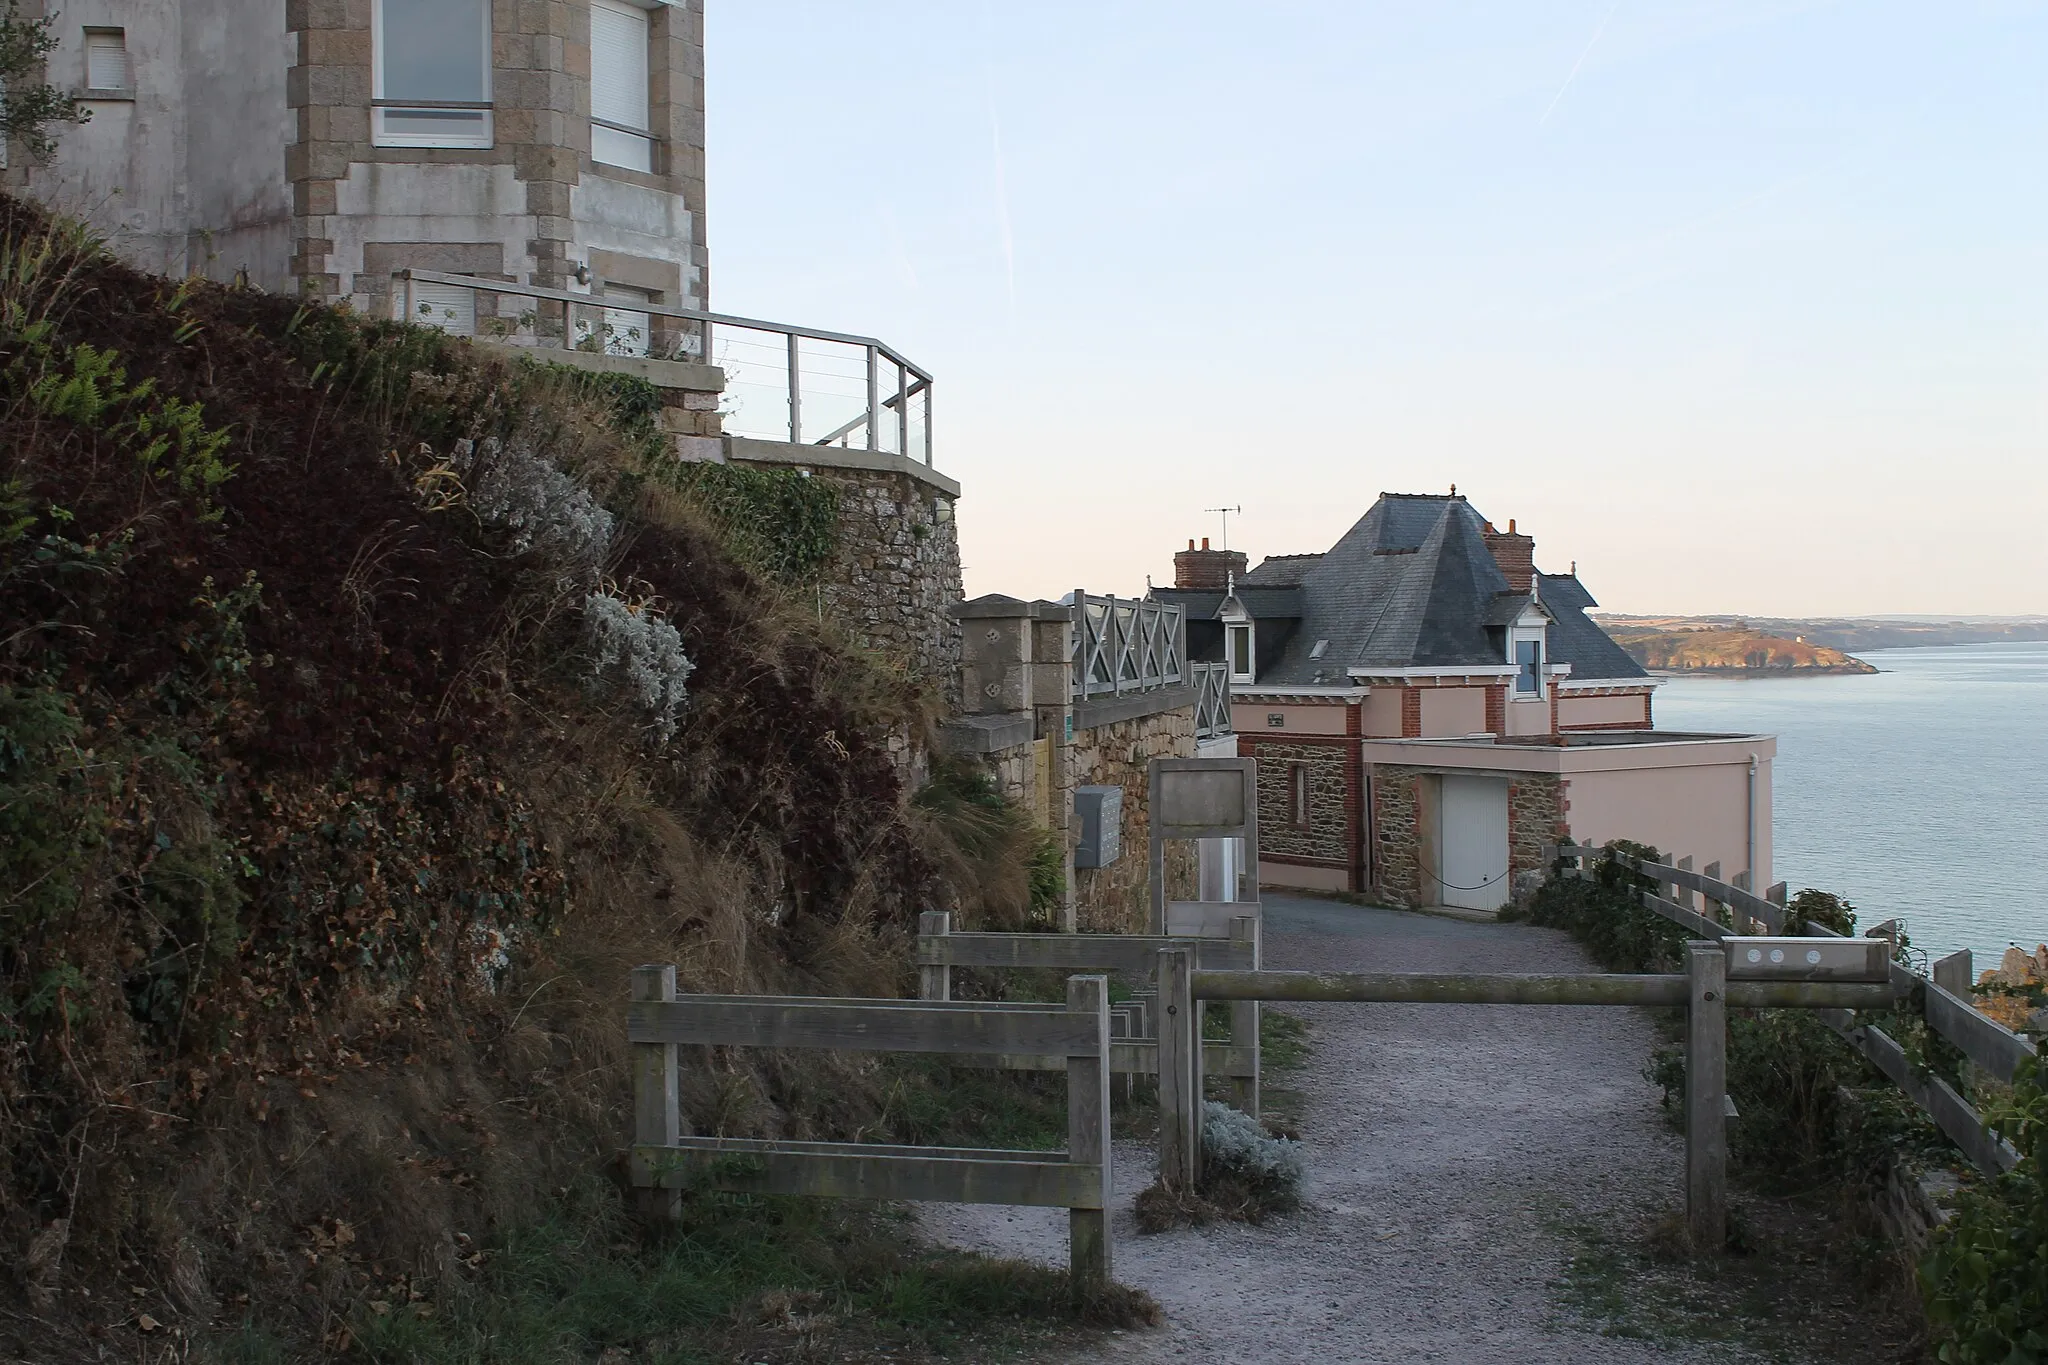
x=1759 y=908
x=1588 y=989
x=1075 y=1037
x=1981 y=1038
x=1135 y=1057
x=1951 y=1113
x=963 y=1027
x=855 y=1170
x=1130 y=954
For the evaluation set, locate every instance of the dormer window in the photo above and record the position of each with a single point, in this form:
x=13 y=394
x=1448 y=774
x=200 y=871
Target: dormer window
x=1239 y=636
x=1529 y=660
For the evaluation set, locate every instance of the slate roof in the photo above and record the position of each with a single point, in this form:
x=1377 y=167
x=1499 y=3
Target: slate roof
x=1413 y=584
x=1575 y=638
x=1280 y=571
x=1262 y=603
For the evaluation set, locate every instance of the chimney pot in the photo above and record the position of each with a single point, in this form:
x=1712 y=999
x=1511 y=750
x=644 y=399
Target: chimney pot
x=1511 y=525
x=1205 y=542
x=1191 y=542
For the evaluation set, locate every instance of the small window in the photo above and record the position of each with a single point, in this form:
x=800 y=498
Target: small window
x=1297 y=795
x=624 y=327
x=619 y=113
x=1240 y=653
x=431 y=83
x=1529 y=658
x=451 y=307
x=106 y=59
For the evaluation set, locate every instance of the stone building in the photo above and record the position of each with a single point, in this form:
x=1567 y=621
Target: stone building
x=1428 y=709
x=323 y=144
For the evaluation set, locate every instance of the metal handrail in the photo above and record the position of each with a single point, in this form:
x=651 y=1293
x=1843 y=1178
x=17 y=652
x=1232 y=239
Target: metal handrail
x=876 y=351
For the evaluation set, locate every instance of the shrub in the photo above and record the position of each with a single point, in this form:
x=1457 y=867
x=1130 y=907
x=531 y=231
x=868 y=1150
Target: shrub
x=1235 y=1148
x=1606 y=914
x=638 y=648
x=1986 y=1275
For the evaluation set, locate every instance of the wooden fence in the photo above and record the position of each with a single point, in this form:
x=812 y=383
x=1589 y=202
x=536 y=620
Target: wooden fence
x=1941 y=998
x=1134 y=1045
x=1820 y=974
x=666 y=1162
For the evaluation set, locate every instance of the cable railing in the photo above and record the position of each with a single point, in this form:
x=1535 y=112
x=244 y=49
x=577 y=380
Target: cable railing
x=802 y=385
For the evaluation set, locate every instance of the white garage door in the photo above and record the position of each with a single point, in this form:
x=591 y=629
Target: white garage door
x=1473 y=842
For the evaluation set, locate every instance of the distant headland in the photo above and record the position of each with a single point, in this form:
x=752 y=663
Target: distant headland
x=1733 y=646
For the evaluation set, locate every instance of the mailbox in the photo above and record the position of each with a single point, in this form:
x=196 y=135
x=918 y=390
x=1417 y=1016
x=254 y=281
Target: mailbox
x=1099 y=816
x=1808 y=959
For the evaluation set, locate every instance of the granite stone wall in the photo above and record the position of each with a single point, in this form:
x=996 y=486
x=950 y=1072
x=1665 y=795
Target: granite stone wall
x=1537 y=805
x=896 y=571
x=1397 y=833
x=1116 y=899
x=1326 y=834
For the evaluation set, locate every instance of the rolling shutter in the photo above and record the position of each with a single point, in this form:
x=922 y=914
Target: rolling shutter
x=450 y=307
x=106 y=59
x=618 y=63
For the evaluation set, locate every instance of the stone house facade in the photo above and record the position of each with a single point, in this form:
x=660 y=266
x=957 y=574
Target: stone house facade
x=320 y=145
x=1429 y=708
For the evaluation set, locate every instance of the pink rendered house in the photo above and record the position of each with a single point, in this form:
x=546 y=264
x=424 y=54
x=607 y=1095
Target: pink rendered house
x=1429 y=709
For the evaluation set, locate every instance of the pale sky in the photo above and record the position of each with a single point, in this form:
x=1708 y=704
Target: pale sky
x=1741 y=304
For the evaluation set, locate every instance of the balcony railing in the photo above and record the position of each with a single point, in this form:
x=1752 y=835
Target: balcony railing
x=782 y=383
x=1212 y=699
x=1126 y=644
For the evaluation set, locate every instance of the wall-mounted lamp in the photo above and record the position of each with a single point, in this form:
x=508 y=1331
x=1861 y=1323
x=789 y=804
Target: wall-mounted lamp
x=582 y=273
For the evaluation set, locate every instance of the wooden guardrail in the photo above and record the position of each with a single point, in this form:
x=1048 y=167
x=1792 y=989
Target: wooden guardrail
x=665 y=1161
x=1134 y=1049
x=1939 y=998
x=1741 y=971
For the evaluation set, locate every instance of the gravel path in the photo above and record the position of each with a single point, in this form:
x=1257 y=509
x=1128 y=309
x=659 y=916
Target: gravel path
x=1445 y=1146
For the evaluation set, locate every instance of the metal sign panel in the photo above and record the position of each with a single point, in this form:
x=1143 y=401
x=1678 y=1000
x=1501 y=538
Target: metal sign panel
x=1808 y=959
x=1201 y=798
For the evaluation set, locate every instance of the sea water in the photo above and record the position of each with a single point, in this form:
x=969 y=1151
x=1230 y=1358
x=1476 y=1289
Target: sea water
x=1919 y=792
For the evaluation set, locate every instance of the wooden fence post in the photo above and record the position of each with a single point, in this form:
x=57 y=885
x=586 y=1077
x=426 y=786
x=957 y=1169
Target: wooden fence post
x=1706 y=1092
x=657 y=1098
x=1244 y=1021
x=1180 y=1050
x=1955 y=973
x=1679 y=893
x=1088 y=1141
x=934 y=982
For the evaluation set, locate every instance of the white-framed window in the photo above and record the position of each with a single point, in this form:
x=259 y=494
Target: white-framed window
x=431 y=73
x=620 y=114
x=106 y=61
x=1237 y=636
x=1529 y=666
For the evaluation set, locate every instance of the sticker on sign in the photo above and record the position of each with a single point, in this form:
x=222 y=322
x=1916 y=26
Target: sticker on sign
x=1808 y=959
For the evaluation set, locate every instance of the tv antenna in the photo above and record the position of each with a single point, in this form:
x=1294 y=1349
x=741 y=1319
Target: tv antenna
x=1225 y=511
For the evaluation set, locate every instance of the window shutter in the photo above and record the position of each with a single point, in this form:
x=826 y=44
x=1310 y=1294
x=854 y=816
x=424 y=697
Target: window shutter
x=450 y=307
x=106 y=59
x=618 y=63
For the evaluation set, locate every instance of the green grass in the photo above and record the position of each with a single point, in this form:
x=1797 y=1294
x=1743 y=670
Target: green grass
x=741 y=1277
x=935 y=1105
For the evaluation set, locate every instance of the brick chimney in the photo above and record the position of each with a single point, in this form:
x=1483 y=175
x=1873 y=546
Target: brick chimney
x=1207 y=569
x=1515 y=553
